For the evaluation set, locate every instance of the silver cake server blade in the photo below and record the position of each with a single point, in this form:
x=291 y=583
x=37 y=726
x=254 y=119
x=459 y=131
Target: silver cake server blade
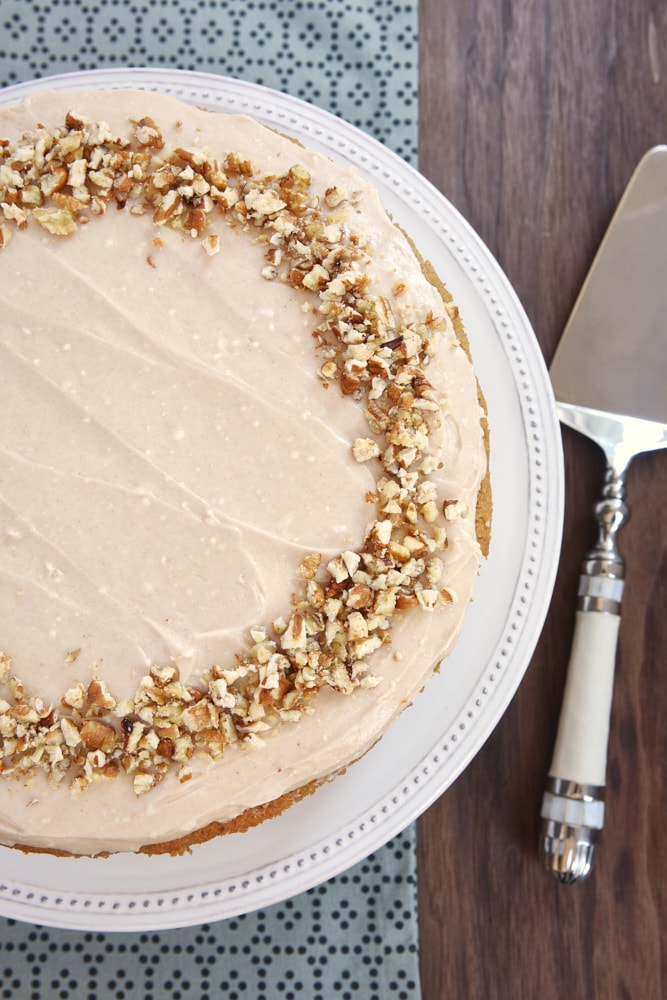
x=609 y=375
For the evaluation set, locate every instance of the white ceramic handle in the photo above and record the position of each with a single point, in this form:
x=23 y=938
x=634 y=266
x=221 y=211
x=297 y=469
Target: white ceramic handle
x=573 y=802
x=580 y=753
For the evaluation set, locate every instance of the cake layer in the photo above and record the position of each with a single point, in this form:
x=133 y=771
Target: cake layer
x=189 y=450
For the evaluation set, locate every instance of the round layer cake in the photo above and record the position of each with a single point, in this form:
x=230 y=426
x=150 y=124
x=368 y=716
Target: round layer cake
x=242 y=472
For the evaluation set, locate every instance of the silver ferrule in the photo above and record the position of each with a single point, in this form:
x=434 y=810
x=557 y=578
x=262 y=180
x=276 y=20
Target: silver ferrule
x=572 y=817
x=601 y=585
x=574 y=789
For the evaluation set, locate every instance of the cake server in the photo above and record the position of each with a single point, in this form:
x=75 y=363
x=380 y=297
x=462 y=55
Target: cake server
x=609 y=375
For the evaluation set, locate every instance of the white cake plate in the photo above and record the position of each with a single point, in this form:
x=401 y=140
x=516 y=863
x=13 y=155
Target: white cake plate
x=434 y=740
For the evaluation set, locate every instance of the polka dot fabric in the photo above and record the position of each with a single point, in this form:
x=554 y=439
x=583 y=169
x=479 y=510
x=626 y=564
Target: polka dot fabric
x=353 y=938
x=356 y=935
x=357 y=60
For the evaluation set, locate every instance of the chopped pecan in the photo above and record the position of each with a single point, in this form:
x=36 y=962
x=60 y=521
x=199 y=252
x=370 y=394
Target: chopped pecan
x=97 y=735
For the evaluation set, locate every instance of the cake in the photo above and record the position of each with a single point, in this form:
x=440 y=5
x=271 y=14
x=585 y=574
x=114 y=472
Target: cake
x=243 y=472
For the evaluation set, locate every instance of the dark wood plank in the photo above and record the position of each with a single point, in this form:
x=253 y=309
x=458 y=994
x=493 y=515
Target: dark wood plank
x=532 y=119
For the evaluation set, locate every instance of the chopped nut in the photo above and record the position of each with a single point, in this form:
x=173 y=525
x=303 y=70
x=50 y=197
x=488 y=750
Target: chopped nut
x=5 y=667
x=16 y=688
x=200 y=716
x=71 y=734
x=333 y=197
x=211 y=245
x=351 y=561
x=98 y=736
x=316 y=278
x=98 y=696
x=338 y=569
x=430 y=511
x=378 y=535
x=148 y=133
x=163 y=676
x=142 y=782
x=77 y=173
x=399 y=551
x=194 y=222
x=166 y=747
x=453 y=509
x=171 y=205
x=404 y=601
x=365 y=449
x=360 y=596
x=263 y=203
x=357 y=626
x=349 y=384
x=329 y=371
x=309 y=565
x=295 y=636
x=315 y=594
x=75 y=697
x=58 y=221
x=427 y=598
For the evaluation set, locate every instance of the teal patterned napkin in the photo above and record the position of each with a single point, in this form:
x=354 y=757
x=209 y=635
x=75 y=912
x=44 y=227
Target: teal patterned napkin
x=358 y=60
x=355 y=936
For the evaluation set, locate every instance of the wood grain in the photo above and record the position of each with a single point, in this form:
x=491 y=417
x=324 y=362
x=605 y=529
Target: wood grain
x=533 y=116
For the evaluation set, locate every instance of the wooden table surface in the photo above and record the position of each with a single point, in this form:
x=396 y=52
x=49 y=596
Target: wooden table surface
x=533 y=116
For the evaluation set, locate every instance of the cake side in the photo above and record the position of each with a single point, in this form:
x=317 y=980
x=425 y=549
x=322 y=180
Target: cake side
x=167 y=383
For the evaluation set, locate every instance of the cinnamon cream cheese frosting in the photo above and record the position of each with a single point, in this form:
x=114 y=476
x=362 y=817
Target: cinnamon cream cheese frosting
x=241 y=454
